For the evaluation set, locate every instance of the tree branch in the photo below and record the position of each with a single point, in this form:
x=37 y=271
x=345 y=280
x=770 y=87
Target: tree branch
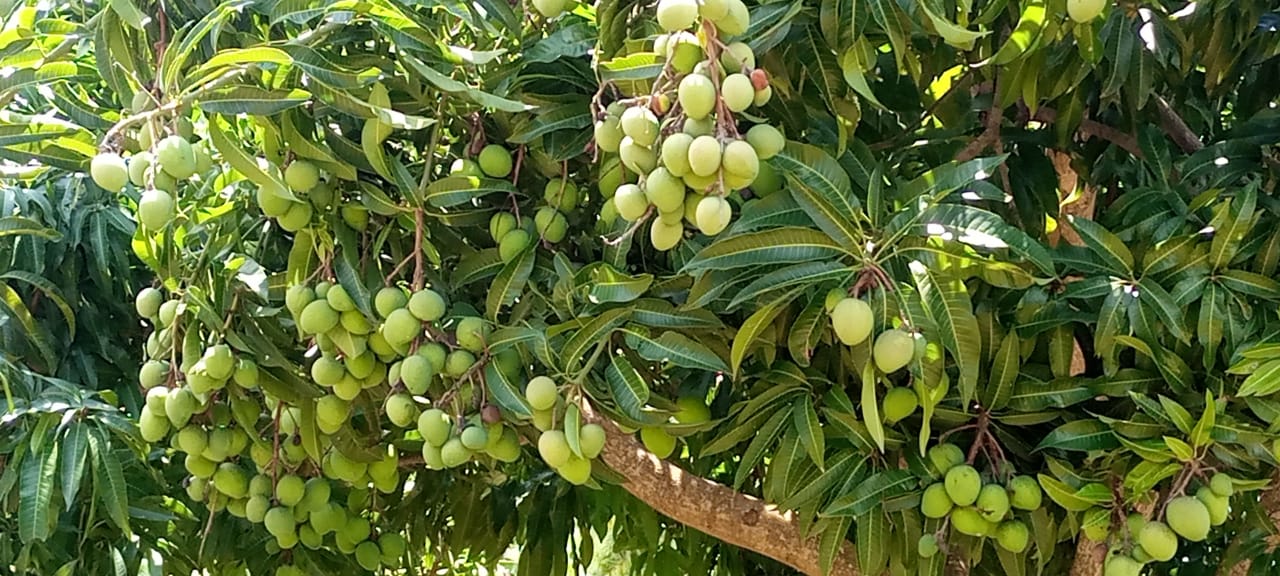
x=1093 y=128
x=1178 y=130
x=712 y=508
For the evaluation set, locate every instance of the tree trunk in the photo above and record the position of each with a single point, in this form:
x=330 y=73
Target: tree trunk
x=712 y=508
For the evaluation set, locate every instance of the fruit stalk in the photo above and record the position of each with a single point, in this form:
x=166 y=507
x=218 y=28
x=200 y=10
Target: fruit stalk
x=173 y=105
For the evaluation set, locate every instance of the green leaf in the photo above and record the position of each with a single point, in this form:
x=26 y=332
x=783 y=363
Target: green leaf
x=108 y=480
x=75 y=449
x=1153 y=296
x=223 y=139
x=1063 y=495
x=871 y=406
x=806 y=332
x=36 y=494
x=129 y=12
x=946 y=304
x=572 y=426
x=1264 y=381
x=821 y=188
x=1177 y=414
x=754 y=326
x=777 y=246
x=805 y=420
x=14 y=225
x=610 y=285
x=590 y=335
x=1025 y=33
x=1201 y=435
x=941 y=181
x=569 y=116
x=1244 y=282
x=833 y=538
x=252 y=100
x=1146 y=475
x=344 y=267
x=676 y=348
x=32 y=331
x=505 y=393
x=1080 y=435
x=509 y=283
x=761 y=440
x=1181 y=450
x=628 y=388
x=50 y=291
x=1232 y=226
x=456 y=190
x=878 y=488
x=807 y=274
x=1004 y=372
x=659 y=313
x=1107 y=246
x=872 y=536
x=985 y=231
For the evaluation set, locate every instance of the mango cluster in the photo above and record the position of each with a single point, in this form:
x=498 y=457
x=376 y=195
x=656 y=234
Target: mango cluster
x=1186 y=517
x=852 y=321
x=691 y=157
x=550 y=223
x=975 y=507
x=544 y=398
x=156 y=170
x=448 y=446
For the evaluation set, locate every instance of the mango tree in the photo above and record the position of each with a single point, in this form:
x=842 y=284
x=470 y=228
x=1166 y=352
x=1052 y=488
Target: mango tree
x=691 y=286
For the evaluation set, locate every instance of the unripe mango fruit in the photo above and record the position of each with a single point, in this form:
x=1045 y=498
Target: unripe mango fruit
x=963 y=485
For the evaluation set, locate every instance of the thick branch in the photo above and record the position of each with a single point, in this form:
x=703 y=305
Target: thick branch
x=1178 y=130
x=712 y=508
x=1093 y=128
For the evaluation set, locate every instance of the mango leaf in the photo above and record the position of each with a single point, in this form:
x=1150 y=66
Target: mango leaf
x=1201 y=435
x=590 y=335
x=871 y=405
x=821 y=188
x=946 y=304
x=505 y=393
x=1004 y=372
x=777 y=246
x=676 y=348
x=755 y=325
x=761 y=440
x=807 y=274
x=1181 y=450
x=627 y=387
x=1264 y=381
x=252 y=100
x=75 y=450
x=1063 y=495
x=876 y=489
x=1232 y=226
x=1107 y=246
x=509 y=283
x=1080 y=435
x=108 y=480
x=872 y=535
x=985 y=231
x=805 y=420
x=833 y=538
x=35 y=497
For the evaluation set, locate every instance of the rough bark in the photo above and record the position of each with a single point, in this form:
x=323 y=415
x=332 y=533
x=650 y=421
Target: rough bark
x=714 y=509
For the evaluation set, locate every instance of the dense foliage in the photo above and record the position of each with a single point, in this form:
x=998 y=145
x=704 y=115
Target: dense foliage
x=967 y=280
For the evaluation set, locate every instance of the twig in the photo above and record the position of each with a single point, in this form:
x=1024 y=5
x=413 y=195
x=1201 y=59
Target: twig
x=397 y=269
x=114 y=133
x=418 y=271
x=632 y=230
